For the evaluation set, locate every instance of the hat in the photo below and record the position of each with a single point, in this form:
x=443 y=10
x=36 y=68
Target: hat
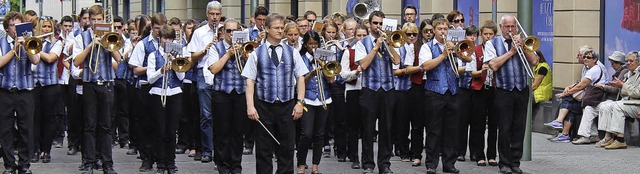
x=617 y=56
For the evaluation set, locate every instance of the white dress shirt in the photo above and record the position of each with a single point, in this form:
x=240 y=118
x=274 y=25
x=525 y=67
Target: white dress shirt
x=316 y=102
x=137 y=56
x=154 y=75
x=347 y=74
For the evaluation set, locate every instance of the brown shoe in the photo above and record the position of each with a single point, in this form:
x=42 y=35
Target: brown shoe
x=616 y=145
x=604 y=142
x=594 y=139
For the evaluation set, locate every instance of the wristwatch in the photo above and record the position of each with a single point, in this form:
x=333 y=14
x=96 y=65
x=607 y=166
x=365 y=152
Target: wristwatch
x=301 y=101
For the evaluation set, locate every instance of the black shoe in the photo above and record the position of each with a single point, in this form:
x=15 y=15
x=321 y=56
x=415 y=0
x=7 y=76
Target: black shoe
x=198 y=156
x=25 y=171
x=206 y=159
x=35 y=158
x=46 y=158
x=57 y=144
x=146 y=166
x=516 y=169
x=368 y=171
x=461 y=158
x=132 y=151
x=72 y=151
x=124 y=145
x=172 y=171
x=386 y=171
x=98 y=165
x=180 y=150
x=109 y=170
x=431 y=171
x=87 y=169
x=505 y=170
x=247 y=151
x=160 y=171
x=450 y=170
x=355 y=165
x=492 y=163
x=342 y=159
x=9 y=170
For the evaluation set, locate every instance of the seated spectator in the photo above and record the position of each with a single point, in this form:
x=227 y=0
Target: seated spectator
x=613 y=114
x=542 y=86
x=588 y=131
x=569 y=107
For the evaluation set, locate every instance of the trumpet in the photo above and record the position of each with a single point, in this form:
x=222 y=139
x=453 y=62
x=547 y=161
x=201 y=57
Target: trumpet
x=332 y=42
x=531 y=44
x=33 y=44
x=463 y=49
x=111 y=41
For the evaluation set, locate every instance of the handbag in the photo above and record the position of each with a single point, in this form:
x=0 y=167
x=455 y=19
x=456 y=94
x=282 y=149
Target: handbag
x=578 y=95
x=592 y=96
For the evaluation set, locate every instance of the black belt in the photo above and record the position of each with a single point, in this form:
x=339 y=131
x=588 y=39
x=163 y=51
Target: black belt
x=101 y=83
x=485 y=86
x=13 y=90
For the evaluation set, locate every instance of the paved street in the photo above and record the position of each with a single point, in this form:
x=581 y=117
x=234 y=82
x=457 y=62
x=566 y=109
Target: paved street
x=548 y=157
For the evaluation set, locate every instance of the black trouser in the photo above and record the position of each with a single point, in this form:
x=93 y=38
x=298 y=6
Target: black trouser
x=48 y=109
x=120 y=119
x=21 y=103
x=135 y=131
x=189 y=124
x=338 y=111
x=98 y=100
x=312 y=126
x=228 y=124
x=146 y=125
x=417 y=107
x=464 y=114
x=165 y=124
x=75 y=121
x=442 y=129
x=354 y=127
x=279 y=121
x=377 y=105
x=400 y=129
x=61 y=126
x=482 y=112
x=511 y=107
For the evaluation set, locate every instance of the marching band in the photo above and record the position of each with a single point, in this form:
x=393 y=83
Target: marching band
x=219 y=89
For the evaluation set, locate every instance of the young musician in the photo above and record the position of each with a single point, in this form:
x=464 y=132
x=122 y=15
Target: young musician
x=139 y=60
x=272 y=72
x=340 y=107
x=166 y=102
x=293 y=34
x=441 y=88
x=377 y=93
x=64 y=79
x=332 y=38
x=313 y=123
x=97 y=89
x=201 y=42
x=467 y=72
x=120 y=114
x=229 y=102
x=47 y=92
x=189 y=125
x=16 y=96
x=402 y=82
x=350 y=73
x=256 y=32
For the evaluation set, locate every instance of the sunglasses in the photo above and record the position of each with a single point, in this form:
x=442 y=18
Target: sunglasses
x=361 y=35
x=117 y=27
x=230 y=30
x=458 y=21
x=412 y=34
x=376 y=23
x=49 y=18
x=428 y=31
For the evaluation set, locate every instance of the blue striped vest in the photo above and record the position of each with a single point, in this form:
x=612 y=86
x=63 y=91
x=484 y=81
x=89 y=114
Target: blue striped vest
x=174 y=82
x=16 y=73
x=311 y=88
x=46 y=73
x=465 y=78
x=229 y=77
x=379 y=74
x=441 y=78
x=105 y=70
x=275 y=83
x=402 y=82
x=511 y=75
x=148 y=49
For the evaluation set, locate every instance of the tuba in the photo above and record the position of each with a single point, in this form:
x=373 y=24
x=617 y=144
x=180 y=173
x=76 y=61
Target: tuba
x=363 y=8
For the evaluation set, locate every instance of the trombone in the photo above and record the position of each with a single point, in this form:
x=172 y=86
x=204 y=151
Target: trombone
x=531 y=44
x=463 y=49
x=180 y=63
x=165 y=77
x=396 y=38
x=111 y=41
x=33 y=44
x=329 y=69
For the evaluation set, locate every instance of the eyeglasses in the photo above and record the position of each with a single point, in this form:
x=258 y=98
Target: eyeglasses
x=458 y=21
x=230 y=30
x=312 y=43
x=117 y=27
x=376 y=23
x=412 y=34
x=85 y=8
x=409 y=14
x=302 y=26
